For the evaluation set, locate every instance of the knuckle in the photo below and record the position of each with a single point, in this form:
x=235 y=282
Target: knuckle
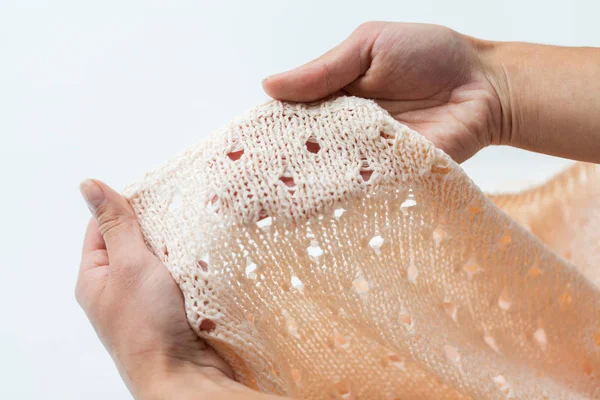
x=98 y=258
x=329 y=85
x=112 y=222
x=367 y=27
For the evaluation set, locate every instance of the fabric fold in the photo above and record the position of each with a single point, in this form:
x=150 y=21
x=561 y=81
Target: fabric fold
x=327 y=251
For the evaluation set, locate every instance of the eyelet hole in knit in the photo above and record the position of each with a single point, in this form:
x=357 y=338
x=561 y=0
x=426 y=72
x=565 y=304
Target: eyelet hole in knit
x=365 y=170
x=288 y=180
x=207 y=325
x=504 y=300
x=313 y=146
x=452 y=354
x=314 y=251
x=408 y=203
x=540 y=337
x=387 y=138
x=250 y=270
x=297 y=283
x=176 y=200
x=406 y=320
x=339 y=341
x=366 y=175
x=360 y=285
x=291 y=325
x=214 y=204
x=296 y=376
x=503 y=385
x=395 y=360
x=376 y=242
x=264 y=220
x=235 y=155
x=438 y=235
x=451 y=309
x=338 y=212
x=442 y=170
x=412 y=273
x=202 y=265
x=490 y=341
x=342 y=389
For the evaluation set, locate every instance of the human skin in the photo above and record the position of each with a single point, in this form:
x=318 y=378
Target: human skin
x=461 y=93
x=138 y=312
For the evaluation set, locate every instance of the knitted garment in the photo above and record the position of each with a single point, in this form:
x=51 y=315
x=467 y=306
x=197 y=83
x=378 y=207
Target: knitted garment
x=326 y=251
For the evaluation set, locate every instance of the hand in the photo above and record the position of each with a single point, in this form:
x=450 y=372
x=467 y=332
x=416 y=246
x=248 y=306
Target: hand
x=138 y=312
x=428 y=77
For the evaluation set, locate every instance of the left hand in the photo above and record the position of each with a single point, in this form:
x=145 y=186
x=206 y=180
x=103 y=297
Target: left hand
x=138 y=311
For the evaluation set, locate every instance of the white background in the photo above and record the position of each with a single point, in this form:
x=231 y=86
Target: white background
x=108 y=89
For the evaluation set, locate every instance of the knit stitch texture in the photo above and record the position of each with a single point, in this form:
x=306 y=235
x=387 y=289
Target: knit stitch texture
x=326 y=251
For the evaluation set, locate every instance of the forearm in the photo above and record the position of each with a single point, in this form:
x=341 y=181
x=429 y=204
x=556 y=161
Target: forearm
x=550 y=96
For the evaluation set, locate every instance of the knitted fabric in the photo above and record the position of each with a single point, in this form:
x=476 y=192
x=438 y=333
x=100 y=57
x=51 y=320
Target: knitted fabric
x=327 y=251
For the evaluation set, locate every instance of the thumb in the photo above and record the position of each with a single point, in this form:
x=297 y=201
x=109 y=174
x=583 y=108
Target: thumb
x=327 y=74
x=115 y=218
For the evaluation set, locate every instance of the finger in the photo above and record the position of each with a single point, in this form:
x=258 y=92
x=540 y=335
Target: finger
x=91 y=279
x=94 y=252
x=93 y=239
x=328 y=73
x=116 y=220
x=396 y=108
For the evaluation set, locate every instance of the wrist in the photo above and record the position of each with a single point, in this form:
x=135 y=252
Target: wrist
x=500 y=70
x=174 y=386
x=158 y=377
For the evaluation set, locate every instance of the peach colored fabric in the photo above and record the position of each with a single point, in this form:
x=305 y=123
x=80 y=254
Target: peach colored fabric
x=328 y=252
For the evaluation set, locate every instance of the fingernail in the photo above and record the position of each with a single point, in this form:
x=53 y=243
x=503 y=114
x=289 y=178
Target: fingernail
x=92 y=193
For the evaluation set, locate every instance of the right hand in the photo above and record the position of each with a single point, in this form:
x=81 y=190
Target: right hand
x=427 y=77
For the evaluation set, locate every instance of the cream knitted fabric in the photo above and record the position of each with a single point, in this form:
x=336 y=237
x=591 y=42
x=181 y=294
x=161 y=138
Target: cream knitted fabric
x=327 y=251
